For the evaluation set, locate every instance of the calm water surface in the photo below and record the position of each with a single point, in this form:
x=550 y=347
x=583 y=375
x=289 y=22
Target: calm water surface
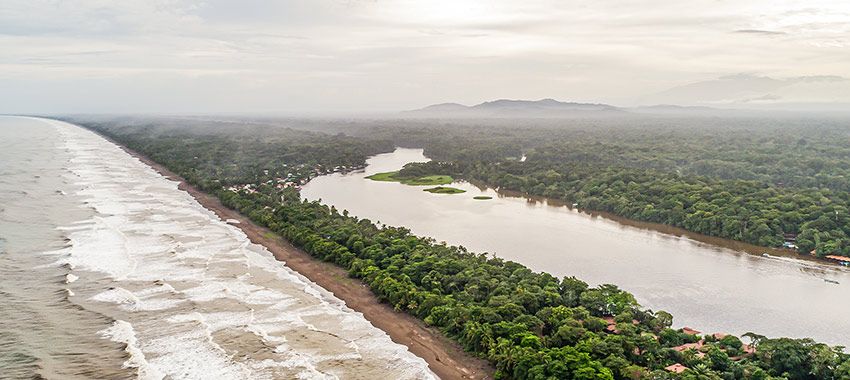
x=705 y=286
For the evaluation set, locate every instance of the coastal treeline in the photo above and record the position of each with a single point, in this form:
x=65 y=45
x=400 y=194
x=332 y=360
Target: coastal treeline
x=223 y=153
x=530 y=325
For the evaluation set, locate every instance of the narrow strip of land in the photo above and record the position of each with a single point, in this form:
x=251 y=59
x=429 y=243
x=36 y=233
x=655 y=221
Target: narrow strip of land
x=444 y=357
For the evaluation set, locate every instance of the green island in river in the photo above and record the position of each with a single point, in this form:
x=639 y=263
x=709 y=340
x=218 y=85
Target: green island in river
x=444 y=190
x=430 y=180
x=482 y=197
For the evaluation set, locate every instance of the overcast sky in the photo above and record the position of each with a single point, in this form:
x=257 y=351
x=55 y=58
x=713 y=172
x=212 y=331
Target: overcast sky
x=354 y=56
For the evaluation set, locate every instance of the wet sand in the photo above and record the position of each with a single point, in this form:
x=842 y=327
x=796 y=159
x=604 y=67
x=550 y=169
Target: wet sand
x=444 y=357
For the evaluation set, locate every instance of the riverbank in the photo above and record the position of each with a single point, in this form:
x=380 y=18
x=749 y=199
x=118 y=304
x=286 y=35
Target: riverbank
x=444 y=357
x=734 y=245
x=663 y=270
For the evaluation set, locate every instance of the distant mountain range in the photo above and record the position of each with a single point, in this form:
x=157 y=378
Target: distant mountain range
x=503 y=108
x=754 y=92
x=732 y=95
x=547 y=108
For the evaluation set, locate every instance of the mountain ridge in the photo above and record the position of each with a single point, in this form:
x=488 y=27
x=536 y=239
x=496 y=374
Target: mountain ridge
x=517 y=108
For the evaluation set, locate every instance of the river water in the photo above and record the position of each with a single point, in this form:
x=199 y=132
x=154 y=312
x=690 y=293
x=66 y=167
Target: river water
x=711 y=287
x=107 y=270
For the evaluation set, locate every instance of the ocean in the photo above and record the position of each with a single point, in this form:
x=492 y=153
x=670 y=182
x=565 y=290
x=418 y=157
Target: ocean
x=108 y=270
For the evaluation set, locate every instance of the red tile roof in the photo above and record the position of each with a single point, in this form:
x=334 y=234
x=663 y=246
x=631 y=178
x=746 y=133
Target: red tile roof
x=838 y=258
x=748 y=350
x=688 y=330
x=676 y=368
x=688 y=346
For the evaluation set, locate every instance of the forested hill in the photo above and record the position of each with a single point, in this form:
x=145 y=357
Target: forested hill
x=530 y=325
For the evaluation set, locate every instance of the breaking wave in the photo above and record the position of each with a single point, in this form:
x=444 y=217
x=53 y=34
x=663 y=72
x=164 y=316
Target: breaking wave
x=190 y=296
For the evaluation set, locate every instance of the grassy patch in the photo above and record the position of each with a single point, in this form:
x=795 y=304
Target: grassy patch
x=430 y=180
x=482 y=197
x=387 y=177
x=444 y=190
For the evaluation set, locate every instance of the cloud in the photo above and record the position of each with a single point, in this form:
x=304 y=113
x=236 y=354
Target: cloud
x=769 y=98
x=220 y=55
x=820 y=78
x=759 y=32
x=758 y=90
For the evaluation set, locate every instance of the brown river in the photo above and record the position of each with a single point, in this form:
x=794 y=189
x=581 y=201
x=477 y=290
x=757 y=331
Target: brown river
x=712 y=285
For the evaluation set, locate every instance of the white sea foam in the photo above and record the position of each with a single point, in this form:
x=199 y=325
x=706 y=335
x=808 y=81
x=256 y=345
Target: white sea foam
x=123 y=332
x=148 y=299
x=194 y=297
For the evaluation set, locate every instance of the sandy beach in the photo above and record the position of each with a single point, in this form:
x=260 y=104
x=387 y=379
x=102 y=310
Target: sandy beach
x=444 y=357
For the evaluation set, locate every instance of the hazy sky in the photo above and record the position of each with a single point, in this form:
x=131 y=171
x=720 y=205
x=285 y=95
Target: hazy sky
x=327 y=55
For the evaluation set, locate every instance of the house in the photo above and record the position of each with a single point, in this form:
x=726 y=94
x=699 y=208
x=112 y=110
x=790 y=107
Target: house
x=612 y=324
x=841 y=259
x=690 y=331
x=689 y=346
x=676 y=368
x=748 y=350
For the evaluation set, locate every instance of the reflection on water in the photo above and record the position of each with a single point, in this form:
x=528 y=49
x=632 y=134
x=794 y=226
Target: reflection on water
x=705 y=286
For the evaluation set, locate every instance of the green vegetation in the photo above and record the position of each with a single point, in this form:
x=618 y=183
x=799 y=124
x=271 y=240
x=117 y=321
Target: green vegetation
x=428 y=180
x=530 y=325
x=444 y=190
x=385 y=177
x=752 y=180
x=482 y=197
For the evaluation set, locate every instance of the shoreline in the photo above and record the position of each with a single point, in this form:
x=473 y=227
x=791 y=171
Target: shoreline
x=444 y=357
x=716 y=241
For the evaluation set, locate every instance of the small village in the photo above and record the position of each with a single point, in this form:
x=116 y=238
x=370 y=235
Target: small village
x=294 y=177
x=697 y=348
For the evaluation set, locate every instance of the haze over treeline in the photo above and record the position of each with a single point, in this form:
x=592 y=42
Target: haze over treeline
x=331 y=57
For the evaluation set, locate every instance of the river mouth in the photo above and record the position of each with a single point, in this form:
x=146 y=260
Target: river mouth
x=705 y=284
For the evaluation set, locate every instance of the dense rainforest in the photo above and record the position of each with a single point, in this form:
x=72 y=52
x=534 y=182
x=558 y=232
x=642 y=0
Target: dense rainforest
x=530 y=325
x=761 y=181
